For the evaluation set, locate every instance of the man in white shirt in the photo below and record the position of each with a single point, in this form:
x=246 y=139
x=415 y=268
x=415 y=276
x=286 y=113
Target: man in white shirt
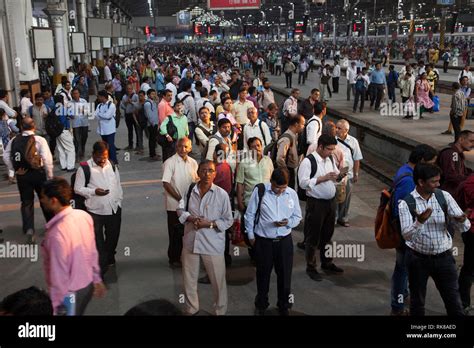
x=107 y=73
x=204 y=101
x=351 y=74
x=266 y=97
x=145 y=85
x=241 y=107
x=171 y=86
x=314 y=127
x=303 y=67
x=290 y=108
x=179 y=172
x=4 y=104
x=105 y=113
x=103 y=195
x=320 y=186
x=352 y=157
x=256 y=129
x=466 y=73
x=189 y=108
x=29 y=179
x=25 y=102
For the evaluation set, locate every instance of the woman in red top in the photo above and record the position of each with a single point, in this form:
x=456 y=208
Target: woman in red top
x=133 y=79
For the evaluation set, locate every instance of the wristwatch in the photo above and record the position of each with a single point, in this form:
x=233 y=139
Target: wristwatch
x=212 y=225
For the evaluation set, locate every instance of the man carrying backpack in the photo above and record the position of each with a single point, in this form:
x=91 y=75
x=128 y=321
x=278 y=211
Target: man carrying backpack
x=426 y=217
x=318 y=175
x=287 y=153
x=273 y=211
x=29 y=157
x=403 y=184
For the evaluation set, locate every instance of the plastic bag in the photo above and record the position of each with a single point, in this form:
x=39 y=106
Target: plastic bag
x=237 y=231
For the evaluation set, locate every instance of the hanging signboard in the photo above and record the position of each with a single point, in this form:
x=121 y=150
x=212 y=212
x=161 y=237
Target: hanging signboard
x=233 y=4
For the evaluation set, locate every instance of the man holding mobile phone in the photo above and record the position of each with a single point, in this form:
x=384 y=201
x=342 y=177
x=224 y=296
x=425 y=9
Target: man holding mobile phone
x=273 y=211
x=103 y=193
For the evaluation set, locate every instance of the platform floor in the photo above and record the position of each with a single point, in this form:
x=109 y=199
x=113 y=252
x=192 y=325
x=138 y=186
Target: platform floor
x=364 y=288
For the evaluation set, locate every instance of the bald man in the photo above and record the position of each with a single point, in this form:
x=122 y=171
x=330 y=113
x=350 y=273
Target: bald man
x=352 y=157
x=179 y=172
x=31 y=172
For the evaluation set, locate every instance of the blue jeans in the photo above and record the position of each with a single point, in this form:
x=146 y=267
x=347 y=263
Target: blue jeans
x=110 y=139
x=399 y=280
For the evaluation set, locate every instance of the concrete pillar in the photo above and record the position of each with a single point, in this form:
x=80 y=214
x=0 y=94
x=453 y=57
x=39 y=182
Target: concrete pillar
x=334 y=30
x=366 y=28
x=82 y=25
x=387 y=30
x=56 y=17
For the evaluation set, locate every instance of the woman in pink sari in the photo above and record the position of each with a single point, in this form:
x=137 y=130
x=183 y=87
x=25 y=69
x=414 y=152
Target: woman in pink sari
x=422 y=94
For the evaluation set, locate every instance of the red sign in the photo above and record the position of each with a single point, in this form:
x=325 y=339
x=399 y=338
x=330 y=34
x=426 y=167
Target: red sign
x=233 y=4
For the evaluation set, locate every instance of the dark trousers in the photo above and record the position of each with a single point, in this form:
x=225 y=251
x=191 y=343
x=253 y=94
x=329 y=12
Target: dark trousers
x=107 y=233
x=301 y=77
x=377 y=90
x=168 y=150
x=52 y=144
x=359 y=93
x=76 y=302
x=289 y=79
x=467 y=270
x=399 y=291
x=279 y=254
x=445 y=66
x=292 y=178
x=318 y=228
x=278 y=69
x=110 y=139
x=131 y=125
x=152 y=133
x=192 y=128
x=80 y=140
x=391 y=92
x=443 y=271
x=175 y=245
x=456 y=122
x=28 y=184
x=335 y=84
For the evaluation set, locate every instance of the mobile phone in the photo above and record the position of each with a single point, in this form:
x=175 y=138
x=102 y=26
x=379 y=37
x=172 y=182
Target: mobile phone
x=344 y=170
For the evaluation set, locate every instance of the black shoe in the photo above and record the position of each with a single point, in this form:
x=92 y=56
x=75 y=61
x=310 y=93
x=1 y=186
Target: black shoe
x=331 y=268
x=313 y=274
x=64 y=169
x=408 y=117
x=204 y=280
x=71 y=170
x=118 y=148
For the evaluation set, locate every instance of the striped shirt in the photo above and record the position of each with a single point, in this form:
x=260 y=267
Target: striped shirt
x=430 y=237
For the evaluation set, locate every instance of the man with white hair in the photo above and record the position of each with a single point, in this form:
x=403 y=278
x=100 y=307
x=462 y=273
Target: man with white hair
x=352 y=157
x=255 y=128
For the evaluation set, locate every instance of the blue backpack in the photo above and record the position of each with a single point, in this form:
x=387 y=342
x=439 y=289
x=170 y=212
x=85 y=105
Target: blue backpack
x=360 y=84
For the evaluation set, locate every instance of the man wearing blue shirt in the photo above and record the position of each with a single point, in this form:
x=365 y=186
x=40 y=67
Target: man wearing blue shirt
x=378 y=82
x=105 y=113
x=78 y=108
x=403 y=185
x=269 y=220
x=151 y=113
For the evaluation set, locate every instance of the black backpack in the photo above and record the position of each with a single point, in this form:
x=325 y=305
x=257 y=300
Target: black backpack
x=53 y=125
x=206 y=133
x=261 y=191
x=410 y=201
x=24 y=153
x=314 y=168
x=271 y=150
x=142 y=119
x=303 y=139
x=79 y=202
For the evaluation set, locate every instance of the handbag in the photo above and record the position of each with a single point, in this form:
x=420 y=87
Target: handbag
x=341 y=191
x=171 y=130
x=237 y=237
